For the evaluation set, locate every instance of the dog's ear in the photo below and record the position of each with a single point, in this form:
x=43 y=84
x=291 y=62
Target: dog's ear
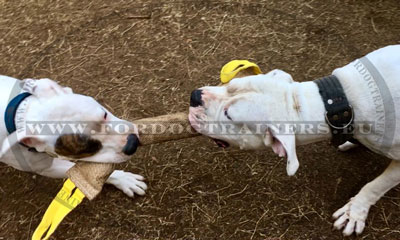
x=284 y=144
x=77 y=146
x=68 y=90
x=289 y=143
x=281 y=75
x=44 y=88
x=16 y=138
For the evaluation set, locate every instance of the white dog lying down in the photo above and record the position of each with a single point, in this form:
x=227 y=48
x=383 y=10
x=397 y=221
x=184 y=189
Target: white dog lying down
x=49 y=154
x=372 y=87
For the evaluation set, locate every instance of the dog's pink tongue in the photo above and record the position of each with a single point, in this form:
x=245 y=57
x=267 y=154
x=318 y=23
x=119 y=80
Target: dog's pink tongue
x=278 y=148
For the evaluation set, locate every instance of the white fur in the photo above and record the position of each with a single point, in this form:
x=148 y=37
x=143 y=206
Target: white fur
x=347 y=146
x=51 y=102
x=272 y=97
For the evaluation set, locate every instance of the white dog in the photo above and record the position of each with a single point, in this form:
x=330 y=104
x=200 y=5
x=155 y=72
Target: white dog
x=45 y=104
x=232 y=113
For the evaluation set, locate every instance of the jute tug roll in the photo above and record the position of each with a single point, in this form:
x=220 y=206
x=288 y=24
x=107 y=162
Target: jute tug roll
x=90 y=177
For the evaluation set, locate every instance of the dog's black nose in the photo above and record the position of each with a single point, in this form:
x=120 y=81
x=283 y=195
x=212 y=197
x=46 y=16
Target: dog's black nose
x=131 y=145
x=195 y=98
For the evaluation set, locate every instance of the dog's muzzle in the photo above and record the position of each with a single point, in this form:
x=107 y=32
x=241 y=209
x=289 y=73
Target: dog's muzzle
x=131 y=146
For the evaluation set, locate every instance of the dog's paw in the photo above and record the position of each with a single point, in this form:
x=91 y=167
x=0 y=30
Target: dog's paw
x=128 y=182
x=347 y=146
x=351 y=218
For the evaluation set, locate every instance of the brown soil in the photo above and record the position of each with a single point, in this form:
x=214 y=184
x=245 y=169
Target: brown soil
x=142 y=59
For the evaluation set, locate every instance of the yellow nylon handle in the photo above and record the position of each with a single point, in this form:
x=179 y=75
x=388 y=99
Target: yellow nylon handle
x=67 y=199
x=231 y=69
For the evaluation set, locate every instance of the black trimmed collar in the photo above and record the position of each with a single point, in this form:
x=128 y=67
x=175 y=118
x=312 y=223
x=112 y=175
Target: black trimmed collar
x=11 y=111
x=339 y=113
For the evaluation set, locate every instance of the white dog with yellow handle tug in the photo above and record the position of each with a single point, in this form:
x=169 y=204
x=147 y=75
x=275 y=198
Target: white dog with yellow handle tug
x=45 y=104
x=358 y=103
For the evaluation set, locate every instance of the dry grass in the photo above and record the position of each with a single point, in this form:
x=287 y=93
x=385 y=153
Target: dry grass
x=143 y=58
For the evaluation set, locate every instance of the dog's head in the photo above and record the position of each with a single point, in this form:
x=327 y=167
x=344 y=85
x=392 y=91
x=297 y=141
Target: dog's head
x=242 y=112
x=71 y=126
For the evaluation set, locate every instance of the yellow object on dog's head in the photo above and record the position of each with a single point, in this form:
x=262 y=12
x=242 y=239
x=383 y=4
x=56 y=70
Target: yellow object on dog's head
x=232 y=68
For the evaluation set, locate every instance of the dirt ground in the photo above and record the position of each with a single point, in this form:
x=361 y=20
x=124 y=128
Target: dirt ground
x=143 y=58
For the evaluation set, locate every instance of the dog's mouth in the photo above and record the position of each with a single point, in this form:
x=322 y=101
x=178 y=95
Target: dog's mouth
x=278 y=148
x=220 y=143
x=276 y=145
x=195 y=122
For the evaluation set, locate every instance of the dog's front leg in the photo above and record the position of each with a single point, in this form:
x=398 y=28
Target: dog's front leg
x=127 y=182
x=352 y=216
x=57 y=169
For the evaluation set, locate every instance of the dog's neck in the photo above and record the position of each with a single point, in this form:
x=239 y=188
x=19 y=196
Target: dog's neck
x=310 y=112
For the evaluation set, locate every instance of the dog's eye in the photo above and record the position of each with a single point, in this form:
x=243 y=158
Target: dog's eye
x=105 y=115
x=227 y=115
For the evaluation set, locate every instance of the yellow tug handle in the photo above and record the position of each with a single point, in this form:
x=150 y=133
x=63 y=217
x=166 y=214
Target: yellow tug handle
x=66 y=200
x=232 y=68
